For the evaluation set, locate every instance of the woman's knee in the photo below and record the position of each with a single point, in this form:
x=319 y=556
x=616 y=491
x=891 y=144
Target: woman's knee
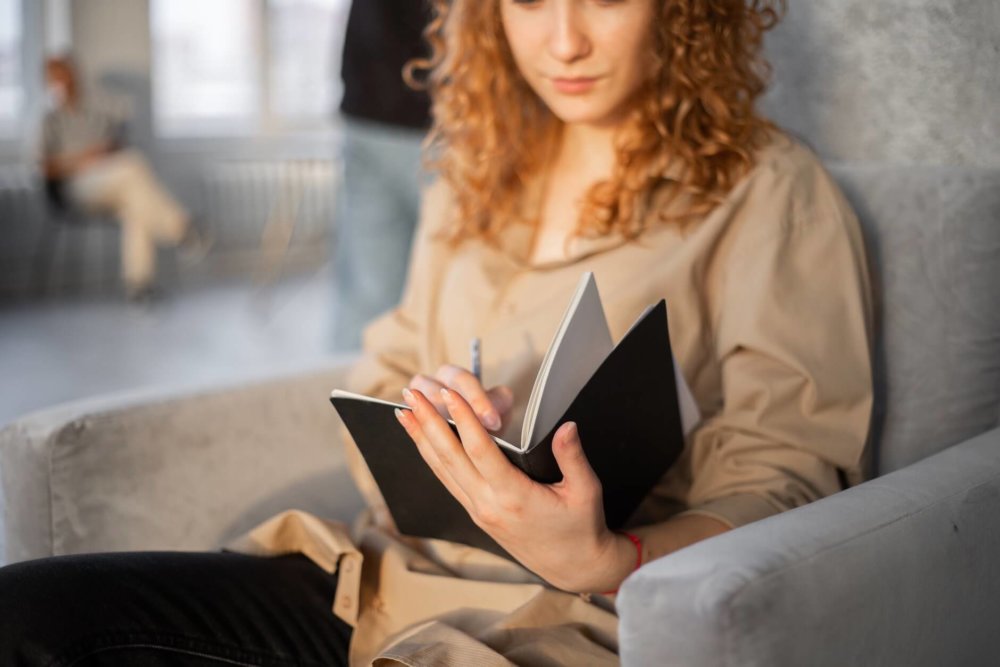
x=56 y=607
x=52 y=607
x=28 y=588
x=37 y=609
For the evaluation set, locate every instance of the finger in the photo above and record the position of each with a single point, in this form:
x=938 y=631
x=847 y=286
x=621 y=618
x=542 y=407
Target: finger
x=502 y=398
x=493 y=466
x=471 y=389
x=431 y=389
x=413 y=429
x=578 y=476
x=446 y=445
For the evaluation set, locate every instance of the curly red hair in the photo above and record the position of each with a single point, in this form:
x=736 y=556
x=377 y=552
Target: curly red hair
x=492 y=133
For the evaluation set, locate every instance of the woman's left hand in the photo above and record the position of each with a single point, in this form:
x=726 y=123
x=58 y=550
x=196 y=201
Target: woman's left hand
x=556 y=530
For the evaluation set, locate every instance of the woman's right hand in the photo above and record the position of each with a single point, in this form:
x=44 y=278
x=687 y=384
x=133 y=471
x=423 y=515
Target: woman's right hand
x=492 y=406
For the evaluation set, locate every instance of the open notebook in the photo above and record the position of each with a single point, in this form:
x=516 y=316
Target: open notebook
x=631 y=406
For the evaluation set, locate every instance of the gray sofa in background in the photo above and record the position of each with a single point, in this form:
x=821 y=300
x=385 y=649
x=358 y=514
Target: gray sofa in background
x=901 y=570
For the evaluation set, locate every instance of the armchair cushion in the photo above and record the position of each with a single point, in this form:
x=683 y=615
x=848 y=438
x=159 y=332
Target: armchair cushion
x=900 y=570
x=172 y=470
x=933 y=237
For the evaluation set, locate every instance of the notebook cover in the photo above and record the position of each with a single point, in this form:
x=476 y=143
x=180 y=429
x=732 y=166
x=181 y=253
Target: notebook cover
x=420 y=505
x=628 y=420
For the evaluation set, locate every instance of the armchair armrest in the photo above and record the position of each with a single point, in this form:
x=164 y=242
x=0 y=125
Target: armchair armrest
x=172 y=470
x=900 y=570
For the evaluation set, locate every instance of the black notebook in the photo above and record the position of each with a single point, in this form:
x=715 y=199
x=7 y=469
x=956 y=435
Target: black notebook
x=623 y=398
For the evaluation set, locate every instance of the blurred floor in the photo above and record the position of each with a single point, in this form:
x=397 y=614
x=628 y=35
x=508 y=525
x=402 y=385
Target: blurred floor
x=62 y=351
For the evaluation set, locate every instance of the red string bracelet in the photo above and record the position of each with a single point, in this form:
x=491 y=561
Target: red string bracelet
x=638 y=554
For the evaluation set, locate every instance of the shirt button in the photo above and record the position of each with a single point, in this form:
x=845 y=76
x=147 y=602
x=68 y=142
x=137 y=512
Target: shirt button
x=348 y=565
x=346 y=602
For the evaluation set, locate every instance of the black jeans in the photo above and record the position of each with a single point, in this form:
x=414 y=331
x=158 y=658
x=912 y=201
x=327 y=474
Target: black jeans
x=156 y=609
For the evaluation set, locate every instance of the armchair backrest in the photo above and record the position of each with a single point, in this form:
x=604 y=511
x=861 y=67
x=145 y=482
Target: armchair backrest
x=933 y=240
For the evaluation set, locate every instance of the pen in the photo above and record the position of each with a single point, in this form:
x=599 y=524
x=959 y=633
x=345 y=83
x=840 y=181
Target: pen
x=477 y=368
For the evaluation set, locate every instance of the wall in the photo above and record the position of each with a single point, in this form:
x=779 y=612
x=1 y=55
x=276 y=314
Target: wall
x=901 y=81
x=110 y=35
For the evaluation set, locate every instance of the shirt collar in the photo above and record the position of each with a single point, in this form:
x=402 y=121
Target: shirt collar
x=517 y=240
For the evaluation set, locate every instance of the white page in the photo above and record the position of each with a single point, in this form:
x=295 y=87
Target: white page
x=580 y=345
x=340 y=393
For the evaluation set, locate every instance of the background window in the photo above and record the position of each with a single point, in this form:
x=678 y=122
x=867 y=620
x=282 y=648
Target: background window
x=11 y=93
x=304 y=40
x=205 y=66
x=245 y=66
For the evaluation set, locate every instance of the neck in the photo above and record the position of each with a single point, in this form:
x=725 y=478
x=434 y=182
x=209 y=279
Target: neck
x=587 y=149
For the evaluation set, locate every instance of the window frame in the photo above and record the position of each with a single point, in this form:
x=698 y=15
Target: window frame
x=19 y=143
x=10 y=127
x=265 y=123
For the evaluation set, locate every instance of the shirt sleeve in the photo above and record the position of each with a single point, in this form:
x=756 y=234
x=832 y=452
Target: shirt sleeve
x=792 y=338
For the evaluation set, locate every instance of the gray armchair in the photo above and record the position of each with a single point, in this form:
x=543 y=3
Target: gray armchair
x=899 y=570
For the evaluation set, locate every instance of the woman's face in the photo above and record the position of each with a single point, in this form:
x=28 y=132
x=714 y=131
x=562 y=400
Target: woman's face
x=584 y=58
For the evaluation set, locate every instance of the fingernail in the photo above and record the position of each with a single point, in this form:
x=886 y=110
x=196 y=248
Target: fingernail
x=407 y=395
x=491 y=420
x=445 y=394
x=399 y=415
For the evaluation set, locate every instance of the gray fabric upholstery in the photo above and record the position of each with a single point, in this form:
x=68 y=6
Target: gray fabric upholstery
x=933 y=235
x=901 y=570
x=901 y=81
x=186 y=470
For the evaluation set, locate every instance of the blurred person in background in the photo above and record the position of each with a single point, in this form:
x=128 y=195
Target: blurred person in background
x=385 y=121
x=86 y=165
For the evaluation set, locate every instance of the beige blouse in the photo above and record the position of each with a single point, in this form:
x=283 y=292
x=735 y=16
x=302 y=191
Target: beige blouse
x=769 y=312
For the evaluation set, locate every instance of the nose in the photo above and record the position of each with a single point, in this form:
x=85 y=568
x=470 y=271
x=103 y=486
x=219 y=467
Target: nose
x=568 y=40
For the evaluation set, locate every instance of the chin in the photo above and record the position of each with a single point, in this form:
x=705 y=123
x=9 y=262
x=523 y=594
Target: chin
x=595 y=120
x=583 y=114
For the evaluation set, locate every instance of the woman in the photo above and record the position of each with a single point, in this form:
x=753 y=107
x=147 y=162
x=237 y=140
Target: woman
x=85 y=166
x=613 y=136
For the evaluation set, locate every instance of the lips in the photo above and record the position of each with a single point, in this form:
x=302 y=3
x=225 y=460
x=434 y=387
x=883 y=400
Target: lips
x=574 y=85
